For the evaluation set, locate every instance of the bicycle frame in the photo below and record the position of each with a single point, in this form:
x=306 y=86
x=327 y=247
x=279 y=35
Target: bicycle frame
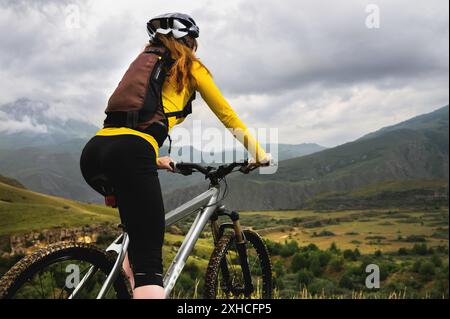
x=205 y=204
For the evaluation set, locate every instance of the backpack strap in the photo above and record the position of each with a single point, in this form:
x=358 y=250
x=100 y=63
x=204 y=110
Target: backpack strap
x=185 y=111
x=153 y=98
x=166 y=64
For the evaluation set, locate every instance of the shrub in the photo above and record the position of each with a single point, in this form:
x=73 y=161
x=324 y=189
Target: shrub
x=186 y=282
x=193 y=270
x=436 y=260
x=402 y=251
x=337 y=264
x=421 y=249
x=415 y=239
x=366 y=260
x=311 y=247
x=349 y=254
x=416 y=266
x=279 y=268
x=299 y=261
x=427 y=270
x=346 y=282
x=289 y=249
x=273 y=247
x=333 y=248
x=413 y=283
x=322 y=286
x=304 y=277
x=324 y=258
x=315 y=267
x=442 y=249
x=386 y=269
x=351 y=233
x=278 y=282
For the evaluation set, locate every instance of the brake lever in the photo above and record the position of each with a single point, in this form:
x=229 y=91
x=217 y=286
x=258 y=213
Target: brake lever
x=247 y=169
x=183 y=171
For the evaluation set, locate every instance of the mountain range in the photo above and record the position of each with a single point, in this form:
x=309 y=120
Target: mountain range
x=45 y=157
x=42 y=151
x=408 y=153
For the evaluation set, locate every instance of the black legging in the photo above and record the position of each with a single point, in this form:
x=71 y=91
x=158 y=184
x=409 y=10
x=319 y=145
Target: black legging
x=129 y=163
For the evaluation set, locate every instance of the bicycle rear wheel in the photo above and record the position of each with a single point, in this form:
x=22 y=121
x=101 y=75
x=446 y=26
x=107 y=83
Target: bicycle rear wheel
x=54 y=272
x=224 y=275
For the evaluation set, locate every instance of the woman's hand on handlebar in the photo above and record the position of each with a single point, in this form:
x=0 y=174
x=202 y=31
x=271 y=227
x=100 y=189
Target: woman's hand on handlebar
x=164 y=163
x=264 y=162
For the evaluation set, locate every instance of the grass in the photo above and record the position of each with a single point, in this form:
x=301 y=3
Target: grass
x=23 y=211
x=386 y=230
x=354 y=229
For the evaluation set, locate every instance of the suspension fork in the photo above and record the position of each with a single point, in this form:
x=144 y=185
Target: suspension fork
x=241 y=248
x=217 y=231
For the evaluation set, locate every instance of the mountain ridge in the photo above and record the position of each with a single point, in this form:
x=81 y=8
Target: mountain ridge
x=395 y=154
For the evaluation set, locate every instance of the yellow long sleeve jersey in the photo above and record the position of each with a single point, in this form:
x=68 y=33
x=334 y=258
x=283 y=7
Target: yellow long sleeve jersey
x=173 y=102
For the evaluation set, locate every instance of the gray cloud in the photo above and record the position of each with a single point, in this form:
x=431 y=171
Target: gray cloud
x=311 y=68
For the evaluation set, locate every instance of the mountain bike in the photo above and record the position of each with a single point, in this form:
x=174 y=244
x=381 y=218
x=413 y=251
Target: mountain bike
x=239 y=266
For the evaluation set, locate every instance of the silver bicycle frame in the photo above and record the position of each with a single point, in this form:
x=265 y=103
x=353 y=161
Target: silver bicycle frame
x=205 y=204
x=205 y=212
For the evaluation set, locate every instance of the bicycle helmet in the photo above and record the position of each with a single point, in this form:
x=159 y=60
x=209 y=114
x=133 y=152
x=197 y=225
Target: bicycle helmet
x=179 y=24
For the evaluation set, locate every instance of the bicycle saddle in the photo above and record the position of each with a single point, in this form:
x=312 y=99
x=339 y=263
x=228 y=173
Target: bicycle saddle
x=102 y=184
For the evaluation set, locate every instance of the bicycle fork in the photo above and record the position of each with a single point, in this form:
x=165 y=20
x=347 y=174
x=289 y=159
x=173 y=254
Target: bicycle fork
x=240 y=246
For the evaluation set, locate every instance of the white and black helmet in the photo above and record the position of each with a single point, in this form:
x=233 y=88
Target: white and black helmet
x=179 y=24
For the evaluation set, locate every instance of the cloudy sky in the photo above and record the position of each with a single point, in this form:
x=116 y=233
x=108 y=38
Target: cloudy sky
x=313 y=69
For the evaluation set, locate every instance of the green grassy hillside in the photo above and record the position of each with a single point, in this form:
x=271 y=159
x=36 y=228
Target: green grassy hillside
x=22 y=210
x=11 y=182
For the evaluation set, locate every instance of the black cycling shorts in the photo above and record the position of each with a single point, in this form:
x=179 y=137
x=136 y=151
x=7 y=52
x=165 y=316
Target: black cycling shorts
x=129 y=163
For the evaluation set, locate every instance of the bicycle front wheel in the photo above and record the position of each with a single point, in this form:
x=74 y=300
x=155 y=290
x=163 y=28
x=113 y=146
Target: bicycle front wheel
x=55 y=271
x=225 y=277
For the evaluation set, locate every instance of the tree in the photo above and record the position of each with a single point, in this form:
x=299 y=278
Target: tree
x=346 y=282
x=421 y=249
x=289 y=248
x=357 y=253
x=337 y=264
x=402 y=251
x=349 y=254
x=333 y=248
x=324 y=258
x=315 y=267
x=304 y=277
x=299 y=261
x=436 y=260
x=278 y=268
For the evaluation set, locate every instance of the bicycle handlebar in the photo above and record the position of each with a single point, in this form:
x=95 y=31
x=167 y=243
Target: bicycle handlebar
x=212 y=173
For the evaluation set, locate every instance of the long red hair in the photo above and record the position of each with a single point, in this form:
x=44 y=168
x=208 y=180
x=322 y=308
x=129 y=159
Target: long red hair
x=184 y=56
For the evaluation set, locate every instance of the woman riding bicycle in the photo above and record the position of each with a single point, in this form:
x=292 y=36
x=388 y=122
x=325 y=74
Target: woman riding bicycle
x=154 y=95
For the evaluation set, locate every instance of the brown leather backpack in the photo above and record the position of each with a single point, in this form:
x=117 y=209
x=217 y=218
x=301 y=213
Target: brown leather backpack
x=137 y=101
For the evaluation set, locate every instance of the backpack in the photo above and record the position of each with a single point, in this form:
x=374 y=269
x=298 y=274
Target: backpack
x=137 y=101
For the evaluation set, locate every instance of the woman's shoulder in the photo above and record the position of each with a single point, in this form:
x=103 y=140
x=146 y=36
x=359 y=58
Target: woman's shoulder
x=198 y=69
